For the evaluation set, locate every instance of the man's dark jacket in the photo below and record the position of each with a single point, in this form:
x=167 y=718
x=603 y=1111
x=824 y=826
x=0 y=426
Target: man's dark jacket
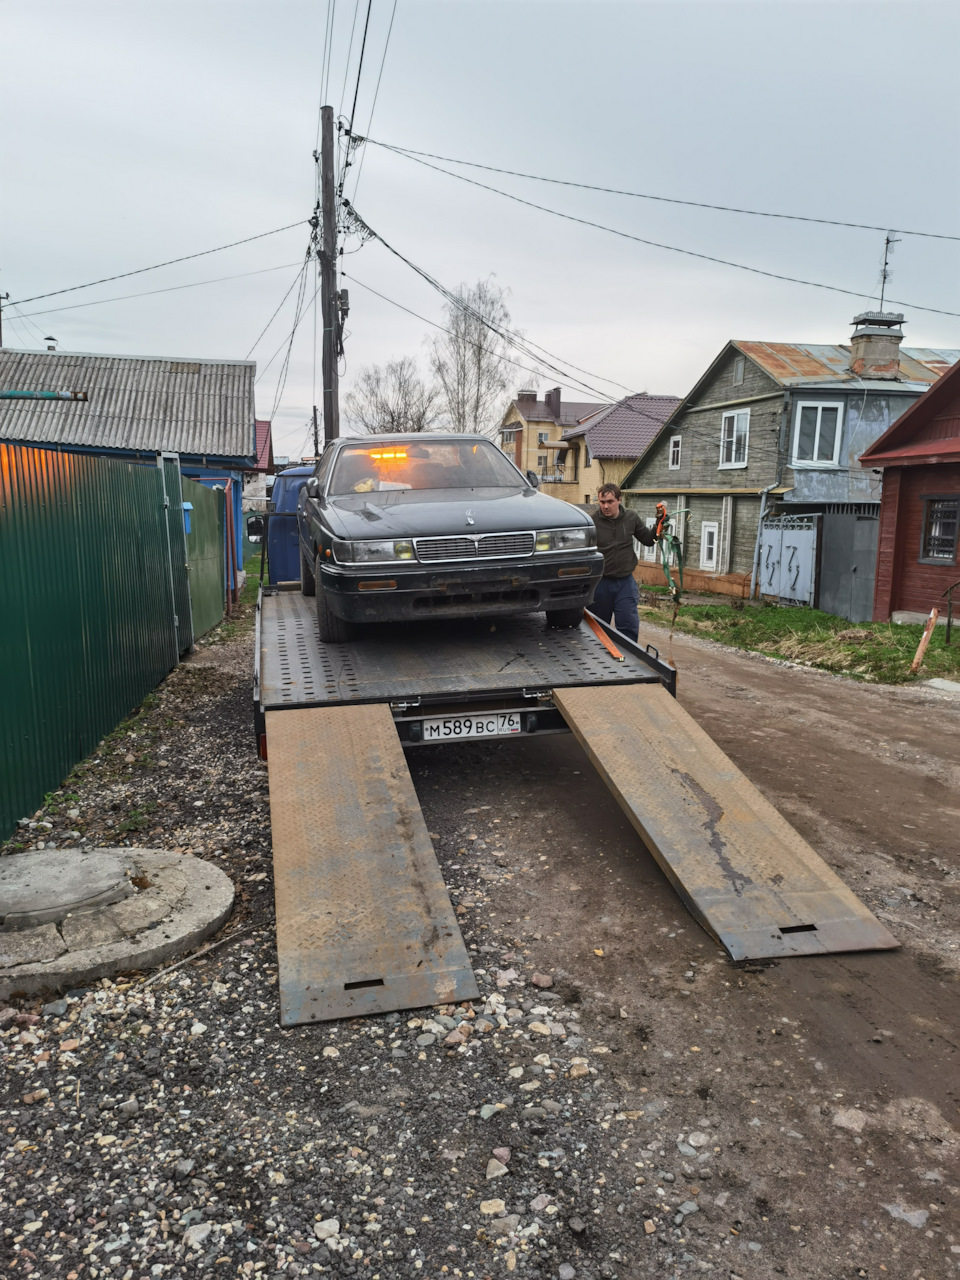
x=615 y=539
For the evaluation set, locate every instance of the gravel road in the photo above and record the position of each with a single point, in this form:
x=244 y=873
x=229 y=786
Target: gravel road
x=622 y=1101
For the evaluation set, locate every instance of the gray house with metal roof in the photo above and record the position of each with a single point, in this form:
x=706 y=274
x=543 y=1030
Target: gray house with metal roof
x=137 y=407
x=762 y=459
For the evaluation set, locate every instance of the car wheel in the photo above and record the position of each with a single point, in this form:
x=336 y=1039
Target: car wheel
x=308 y=583
x=564 y=618
x=333 y=630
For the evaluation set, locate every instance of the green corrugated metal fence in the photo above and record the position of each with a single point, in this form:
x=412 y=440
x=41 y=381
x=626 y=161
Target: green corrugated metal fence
x=92 y=574
x=205 y=554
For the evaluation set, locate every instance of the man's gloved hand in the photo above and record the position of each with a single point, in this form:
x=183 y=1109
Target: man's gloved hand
x=663 y=521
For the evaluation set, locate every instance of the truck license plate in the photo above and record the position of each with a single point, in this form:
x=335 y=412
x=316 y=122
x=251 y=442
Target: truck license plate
x=496 y=725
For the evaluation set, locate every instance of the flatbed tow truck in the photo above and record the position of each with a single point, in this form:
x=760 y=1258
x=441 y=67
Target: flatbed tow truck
x=364 y=922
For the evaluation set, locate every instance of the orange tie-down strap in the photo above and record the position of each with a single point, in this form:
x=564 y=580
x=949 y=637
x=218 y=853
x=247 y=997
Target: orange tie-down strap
x=603 y=637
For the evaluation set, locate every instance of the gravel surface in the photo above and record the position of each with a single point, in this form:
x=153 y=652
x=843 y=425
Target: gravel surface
x=574 y=1122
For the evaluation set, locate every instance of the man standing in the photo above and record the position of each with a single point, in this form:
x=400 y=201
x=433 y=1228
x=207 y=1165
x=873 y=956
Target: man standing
x=616 y=595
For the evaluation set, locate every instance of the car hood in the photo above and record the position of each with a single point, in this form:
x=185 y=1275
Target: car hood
x=405 y=513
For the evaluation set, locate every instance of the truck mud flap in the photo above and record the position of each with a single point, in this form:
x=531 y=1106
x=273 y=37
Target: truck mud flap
x=364 y=921
x=741 y=869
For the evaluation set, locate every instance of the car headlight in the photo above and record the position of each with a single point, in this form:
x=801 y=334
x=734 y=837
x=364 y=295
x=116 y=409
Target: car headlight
x=369 y=552
x=566 y=539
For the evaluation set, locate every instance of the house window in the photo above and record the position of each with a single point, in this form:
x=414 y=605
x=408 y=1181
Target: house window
x=738 y=367
x=734 y=434
x=508 y=437
x=816 y=435
x=543 y=437
x=674 y=463
x=542 y=461
x=709 y=530
x=941 y=518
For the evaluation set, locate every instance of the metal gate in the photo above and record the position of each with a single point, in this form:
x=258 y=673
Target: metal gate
x=788 y=558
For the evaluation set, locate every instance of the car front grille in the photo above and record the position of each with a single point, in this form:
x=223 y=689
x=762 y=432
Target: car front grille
x=474 y=546
x=506 y=544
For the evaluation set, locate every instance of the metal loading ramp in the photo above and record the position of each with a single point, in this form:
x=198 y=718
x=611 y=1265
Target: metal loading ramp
x=742 y=870
x=364 y=922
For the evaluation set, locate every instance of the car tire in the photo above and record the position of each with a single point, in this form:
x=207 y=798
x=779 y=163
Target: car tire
x=333 y=630
x=563 y=619
x=308 y=583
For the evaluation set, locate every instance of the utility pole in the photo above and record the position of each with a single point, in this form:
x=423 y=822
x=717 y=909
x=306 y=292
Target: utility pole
x=4 y=297
x=316 y=435
x=328 y=279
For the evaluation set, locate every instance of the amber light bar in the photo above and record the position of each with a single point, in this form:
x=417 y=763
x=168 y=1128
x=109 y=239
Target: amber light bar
x=381 y=584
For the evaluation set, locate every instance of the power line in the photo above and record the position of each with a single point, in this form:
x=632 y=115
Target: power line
x=37 y=297
x=282 y=380
x=288 y=338
x=290 y=290
x=376 y=94
x=346 y=65
x=455 y=301
x=656 y=244
x=363 y=46
x=435 y=325
x=147 y=293
x=642 y=195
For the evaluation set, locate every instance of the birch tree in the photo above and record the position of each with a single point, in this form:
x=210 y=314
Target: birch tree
x=468 y=360
x=392 y=397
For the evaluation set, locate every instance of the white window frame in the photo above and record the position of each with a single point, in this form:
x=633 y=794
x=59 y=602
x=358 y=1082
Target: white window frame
x=714 y=526
x=671 y=465
x=508 y=436
x=739 y=366
x=735 y=414
x=814 y=463
x=542 y=437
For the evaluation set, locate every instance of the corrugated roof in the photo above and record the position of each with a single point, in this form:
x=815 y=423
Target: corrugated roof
x=797 y=364
x=626 y=429
x=194 y=407
x=571 y=412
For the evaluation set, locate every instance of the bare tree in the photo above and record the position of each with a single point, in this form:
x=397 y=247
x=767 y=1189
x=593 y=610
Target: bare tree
x=467 y=361
x=392 y=397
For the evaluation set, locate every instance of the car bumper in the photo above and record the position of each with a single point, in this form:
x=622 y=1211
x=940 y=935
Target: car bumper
x=496 y=587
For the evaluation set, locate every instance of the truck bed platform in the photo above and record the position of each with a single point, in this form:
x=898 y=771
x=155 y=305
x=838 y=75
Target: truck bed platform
x=436 y=662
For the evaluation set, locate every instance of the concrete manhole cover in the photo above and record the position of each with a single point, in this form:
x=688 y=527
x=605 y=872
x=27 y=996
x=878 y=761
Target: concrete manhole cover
x=40 y=888
x=71 y=916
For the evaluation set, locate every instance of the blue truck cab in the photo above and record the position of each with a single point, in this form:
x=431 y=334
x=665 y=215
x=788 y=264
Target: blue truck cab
x=283 y=547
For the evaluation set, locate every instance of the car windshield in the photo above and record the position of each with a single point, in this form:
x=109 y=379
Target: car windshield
x=440 y=464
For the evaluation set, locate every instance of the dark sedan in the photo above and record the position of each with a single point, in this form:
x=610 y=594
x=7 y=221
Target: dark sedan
x=398 y=528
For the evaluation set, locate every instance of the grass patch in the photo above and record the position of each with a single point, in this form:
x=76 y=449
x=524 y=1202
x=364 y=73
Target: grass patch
x=244 y=611
x=880 y=652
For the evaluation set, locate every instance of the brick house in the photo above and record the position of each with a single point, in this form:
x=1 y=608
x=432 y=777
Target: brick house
x=772 y=433
x=919 y=457
x=575 y=448
x=532 y=434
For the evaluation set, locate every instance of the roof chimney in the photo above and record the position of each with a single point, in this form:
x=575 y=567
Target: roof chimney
x=875 y=344
x=526 y=397
x=552 y=400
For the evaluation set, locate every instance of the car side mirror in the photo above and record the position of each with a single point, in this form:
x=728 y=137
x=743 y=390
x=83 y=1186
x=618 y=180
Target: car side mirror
x=255 y=526
x=533 y=480
x=312 y=487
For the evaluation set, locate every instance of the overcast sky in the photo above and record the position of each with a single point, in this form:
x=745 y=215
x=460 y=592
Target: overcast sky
x=141 y=131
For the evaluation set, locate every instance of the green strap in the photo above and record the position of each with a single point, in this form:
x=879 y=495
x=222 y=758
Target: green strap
x=669 y=542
